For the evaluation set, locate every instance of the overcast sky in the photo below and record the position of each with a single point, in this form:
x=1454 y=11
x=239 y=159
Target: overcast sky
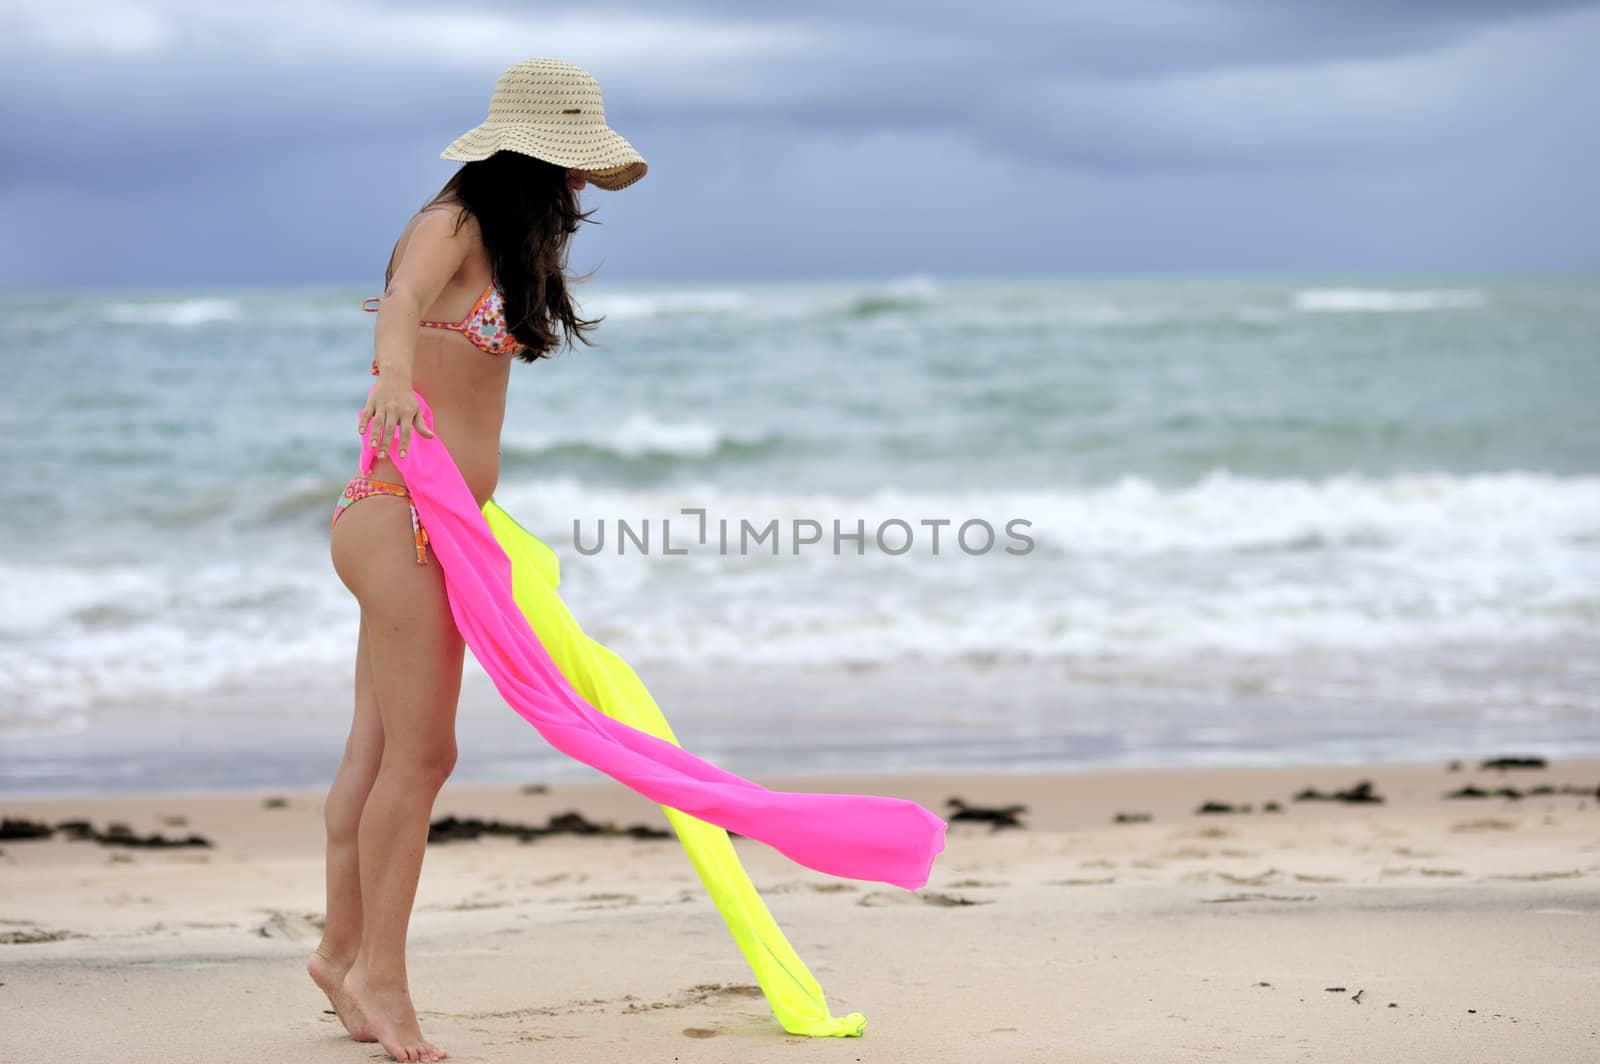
x=178 y=143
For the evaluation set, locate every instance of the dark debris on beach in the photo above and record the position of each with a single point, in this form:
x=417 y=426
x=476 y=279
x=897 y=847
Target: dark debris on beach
x=1503 y=763
x=1543 y=790
x=1004 y=816
x=14 y=829
x=457 y=829
x=1364 y=792
x=1359 y=793
x=1213 y=806
x=115 y=834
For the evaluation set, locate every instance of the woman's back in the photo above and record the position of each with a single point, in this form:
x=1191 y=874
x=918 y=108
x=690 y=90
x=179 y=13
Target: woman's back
x=465 y=385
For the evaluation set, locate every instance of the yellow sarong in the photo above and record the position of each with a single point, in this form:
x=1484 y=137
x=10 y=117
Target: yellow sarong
x=611 y=686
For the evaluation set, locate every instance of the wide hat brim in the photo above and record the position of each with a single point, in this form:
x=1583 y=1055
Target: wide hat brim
x=604 y=155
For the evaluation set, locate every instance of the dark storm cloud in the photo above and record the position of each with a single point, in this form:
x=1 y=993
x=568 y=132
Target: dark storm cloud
x=188 y=103
x=1133 y=38
x=1073 y=82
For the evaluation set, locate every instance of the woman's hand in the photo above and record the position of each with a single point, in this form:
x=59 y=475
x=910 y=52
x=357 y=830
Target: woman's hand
x=390 y=407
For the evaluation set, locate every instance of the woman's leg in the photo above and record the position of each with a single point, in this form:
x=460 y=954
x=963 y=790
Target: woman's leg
x=416 y=659
x=341 y=933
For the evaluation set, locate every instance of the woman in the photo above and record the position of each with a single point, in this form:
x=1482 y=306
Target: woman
x=476 y=279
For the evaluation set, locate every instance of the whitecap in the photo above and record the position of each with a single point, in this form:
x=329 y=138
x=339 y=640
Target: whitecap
x=623 y=306
x=636 y=436
x=1381 y=300
x=182 y=313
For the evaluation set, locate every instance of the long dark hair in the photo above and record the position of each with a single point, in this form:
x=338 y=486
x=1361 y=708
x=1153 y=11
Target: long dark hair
x=526 y=213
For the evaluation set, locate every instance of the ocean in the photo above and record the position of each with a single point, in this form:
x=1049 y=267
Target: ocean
x=1181 y=522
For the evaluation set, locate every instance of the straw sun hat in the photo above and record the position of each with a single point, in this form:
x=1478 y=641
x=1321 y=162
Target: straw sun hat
x=552 y=110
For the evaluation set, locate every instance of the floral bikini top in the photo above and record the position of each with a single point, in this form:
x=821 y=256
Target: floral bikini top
x=484 y=325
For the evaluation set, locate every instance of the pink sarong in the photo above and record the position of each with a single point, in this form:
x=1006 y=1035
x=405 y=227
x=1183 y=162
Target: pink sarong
x=855 y=836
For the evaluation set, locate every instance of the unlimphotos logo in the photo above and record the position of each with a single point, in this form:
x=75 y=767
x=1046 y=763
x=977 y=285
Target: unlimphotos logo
x=894 y=536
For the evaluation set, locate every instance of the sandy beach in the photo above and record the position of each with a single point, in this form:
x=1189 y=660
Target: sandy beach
x=1114 y=922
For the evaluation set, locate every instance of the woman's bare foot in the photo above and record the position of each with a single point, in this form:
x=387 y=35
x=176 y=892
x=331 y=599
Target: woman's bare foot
x=329 y=974
x=391 y=1017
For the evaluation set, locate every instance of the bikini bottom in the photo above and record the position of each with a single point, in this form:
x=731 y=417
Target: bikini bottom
x=360 y=487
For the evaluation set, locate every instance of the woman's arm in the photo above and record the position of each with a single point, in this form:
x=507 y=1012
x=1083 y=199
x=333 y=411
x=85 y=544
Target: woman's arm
x=432 y=255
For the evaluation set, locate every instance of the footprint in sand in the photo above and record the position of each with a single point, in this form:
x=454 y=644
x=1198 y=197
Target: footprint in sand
x=35 y=934
x=471 y=905
x=1205 y=833
x=695 y=996
x=545 y=881
x=1536 y=877
x=605 y=900
x=1106 y=881
x=292 y=926
x=1259 y=896
x=979 y=883
x=926 y=897
x=1306 y=877
x=1260 y=879
x=789 y=887
x=1486 y=823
